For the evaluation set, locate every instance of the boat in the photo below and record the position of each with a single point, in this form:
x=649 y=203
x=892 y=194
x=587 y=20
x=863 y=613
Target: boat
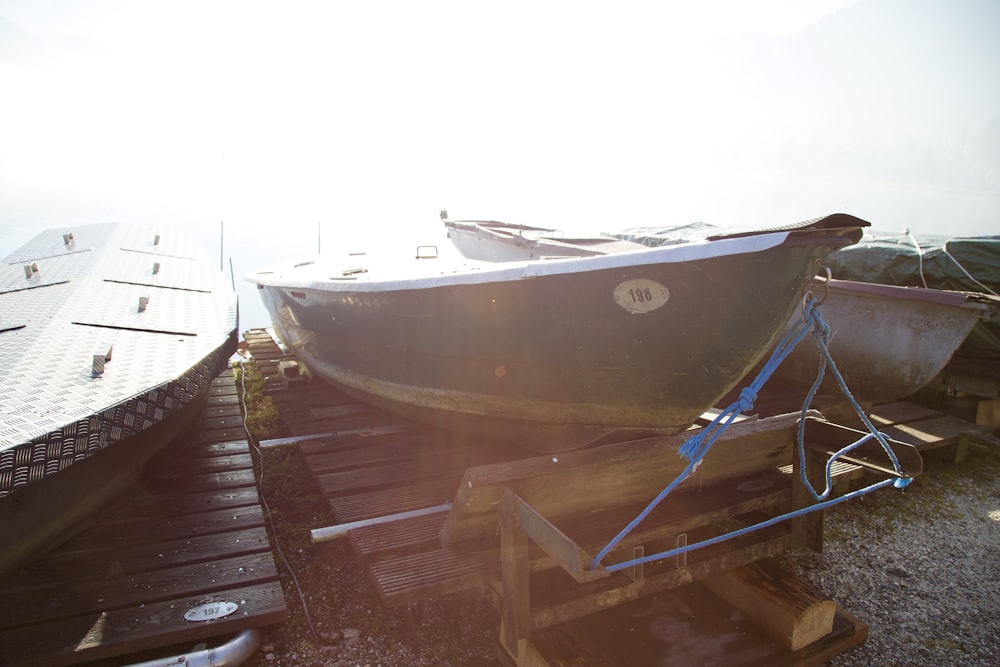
x=888 y=341
x=964 y=264
x=548 y=354
x=110 y=337
x=494 y=241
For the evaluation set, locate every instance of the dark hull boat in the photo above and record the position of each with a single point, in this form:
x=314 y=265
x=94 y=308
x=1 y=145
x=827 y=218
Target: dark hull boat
x=110 y=337
x=551 y=354
x=888 y=341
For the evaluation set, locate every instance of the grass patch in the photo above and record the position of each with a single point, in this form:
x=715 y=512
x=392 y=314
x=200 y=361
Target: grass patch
x=263 y=420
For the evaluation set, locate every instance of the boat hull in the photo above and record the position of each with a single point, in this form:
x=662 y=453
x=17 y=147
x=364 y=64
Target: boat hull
x=887 y=341
x=113 y=335
x=44 y=515
x=555 y=361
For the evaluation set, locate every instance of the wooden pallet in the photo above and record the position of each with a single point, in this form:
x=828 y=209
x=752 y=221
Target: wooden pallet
x=191 y=532
x=933 y=433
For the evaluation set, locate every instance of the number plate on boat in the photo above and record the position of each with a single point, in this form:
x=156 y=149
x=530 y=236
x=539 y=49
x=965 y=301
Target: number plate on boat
x=641 y=295
x=210 y=611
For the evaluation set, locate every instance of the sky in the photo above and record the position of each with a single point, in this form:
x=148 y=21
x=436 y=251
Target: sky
x=280 y=127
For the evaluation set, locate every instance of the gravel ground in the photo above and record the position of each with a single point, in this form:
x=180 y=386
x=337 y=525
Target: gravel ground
x=920 y=566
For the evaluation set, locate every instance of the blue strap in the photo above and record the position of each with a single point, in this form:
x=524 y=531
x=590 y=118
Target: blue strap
x=697 y=446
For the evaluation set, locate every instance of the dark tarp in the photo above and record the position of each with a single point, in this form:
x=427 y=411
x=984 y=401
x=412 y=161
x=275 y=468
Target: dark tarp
x=970 y=264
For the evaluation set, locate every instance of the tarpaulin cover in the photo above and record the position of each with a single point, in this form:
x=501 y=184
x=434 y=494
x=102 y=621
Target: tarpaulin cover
x=941 y=262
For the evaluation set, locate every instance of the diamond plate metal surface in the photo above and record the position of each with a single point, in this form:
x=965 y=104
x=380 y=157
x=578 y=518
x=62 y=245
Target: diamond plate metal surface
x=85 y=296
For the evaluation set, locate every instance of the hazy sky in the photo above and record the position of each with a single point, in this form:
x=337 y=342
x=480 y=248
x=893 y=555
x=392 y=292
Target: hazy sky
x=367 y=118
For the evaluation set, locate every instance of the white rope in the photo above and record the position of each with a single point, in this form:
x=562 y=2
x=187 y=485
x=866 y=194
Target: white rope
x=920 y=255
x=968 y=275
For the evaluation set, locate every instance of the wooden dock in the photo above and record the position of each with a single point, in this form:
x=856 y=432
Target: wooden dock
x=191 y=536
x=475 y=530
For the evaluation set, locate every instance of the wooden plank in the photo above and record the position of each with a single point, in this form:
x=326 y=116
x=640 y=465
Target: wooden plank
x=784 y=605
x=216 y=449
x=145 y=557
x=219 y=481
x=233 y=432
x=888 y=414
x=387 y=540
x=109 y=634
x=113 y=534
x=632 y=472
x=607 y=593
x=223 y=399
x=64 y=599
x=152 y=505
x=432 y=574
x=228 y=422
x=204 y=465
x=228 y=410
x=684 y=626
x=448 y=462
x=357 y=451
x=416 y=542
x=379 y=503
x=931 y=433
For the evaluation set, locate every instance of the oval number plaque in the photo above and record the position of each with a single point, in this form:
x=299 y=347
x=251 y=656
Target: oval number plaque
x=210 y=611
x=641 y=295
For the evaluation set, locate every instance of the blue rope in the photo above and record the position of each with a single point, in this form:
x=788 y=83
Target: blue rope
x=697 y=446
x=748 y=529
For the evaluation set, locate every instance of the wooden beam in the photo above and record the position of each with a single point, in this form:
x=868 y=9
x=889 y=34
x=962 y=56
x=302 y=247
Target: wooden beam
x=514 y=573
x=783 y=605
x=576 y=483
x=618 y=592
x=565 y=552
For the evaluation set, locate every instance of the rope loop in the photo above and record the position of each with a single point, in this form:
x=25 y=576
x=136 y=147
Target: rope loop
x=697 y=446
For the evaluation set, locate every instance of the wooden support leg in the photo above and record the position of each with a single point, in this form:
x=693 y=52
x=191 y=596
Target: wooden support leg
x=807 y=530
x=988 y=413
x=515 y=624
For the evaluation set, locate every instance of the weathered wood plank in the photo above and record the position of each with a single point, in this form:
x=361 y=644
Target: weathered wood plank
x=629 y=473
x=415 y=496
x=107 y=634
x=66 y=599
x=607 y=593
x=931 y=433
x=223 y=399
x=155 y=504
x=784 y=605
x=431 y=574
x=203 y=465
x=114 y=534
x=888 y=414
x=148 y=557
x=398 y=552
x=232 y=432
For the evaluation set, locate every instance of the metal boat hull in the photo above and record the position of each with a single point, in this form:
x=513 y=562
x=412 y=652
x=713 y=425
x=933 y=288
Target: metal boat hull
x=887 y=341
x=552 y=354
x=110 y=339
